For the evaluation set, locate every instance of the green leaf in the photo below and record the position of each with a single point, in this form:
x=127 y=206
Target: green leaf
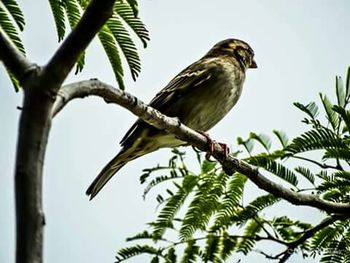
x=16 y=12
x=336 y=187
x=347 y=85
x=263 y=139
x=160 y=179
x=168 y=212
x=204 y=204
x=282 y=137
x=327 y=239
x=274 y=167
x=310 y=109
x=134 y=6
x=144 y=235
x=73 y=11
x=256 y=206
x=228 y=245
x=211 y=248
x=14 y=81
x=10 y=30
x=315 y=139
x=189 y=182
x=289 y=229
x=340 y=91
x=110 y=46
x=344 y=114
x=208 y=166
x=191 y=252
x=306 y=173
x=251 y=230
x=342 y=154
x=345 y=175
x=127 y=12
x=155 y=259
x=248 y=144
x=331 y=114
x=57 y=8
x=335 y=253
x=126 y=44
x=333 y=195
x=129 y=252
x=170 y=257
x=231 y=202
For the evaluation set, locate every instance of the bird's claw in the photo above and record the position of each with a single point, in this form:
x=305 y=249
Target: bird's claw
x=225 y=148
x=211 y=146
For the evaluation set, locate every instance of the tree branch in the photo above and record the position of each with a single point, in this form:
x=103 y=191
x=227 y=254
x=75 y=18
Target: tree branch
x=173 y=126
x=12 y=58
x=41 y=86
x=94 y=17
x=306 y=235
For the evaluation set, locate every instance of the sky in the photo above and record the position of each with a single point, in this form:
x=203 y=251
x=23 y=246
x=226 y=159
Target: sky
x=300 y=47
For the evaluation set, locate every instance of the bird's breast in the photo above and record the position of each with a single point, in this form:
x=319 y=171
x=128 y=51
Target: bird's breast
x=213 y=100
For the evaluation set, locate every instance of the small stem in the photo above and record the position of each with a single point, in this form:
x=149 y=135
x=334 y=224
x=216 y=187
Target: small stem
x=323 y=166
x=256 y=238
x=306 y=235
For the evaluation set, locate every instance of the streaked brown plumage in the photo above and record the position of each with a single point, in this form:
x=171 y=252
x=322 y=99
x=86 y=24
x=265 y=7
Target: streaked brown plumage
x=200 y=96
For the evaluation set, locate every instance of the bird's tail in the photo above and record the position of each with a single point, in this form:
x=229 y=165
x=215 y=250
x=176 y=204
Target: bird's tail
x=108 y=171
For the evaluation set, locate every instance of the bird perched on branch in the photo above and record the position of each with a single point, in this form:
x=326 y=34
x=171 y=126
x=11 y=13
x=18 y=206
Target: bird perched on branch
x=200 y=96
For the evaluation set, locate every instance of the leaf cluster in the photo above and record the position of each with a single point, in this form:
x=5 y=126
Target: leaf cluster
x=116 y=36
x=212 y=221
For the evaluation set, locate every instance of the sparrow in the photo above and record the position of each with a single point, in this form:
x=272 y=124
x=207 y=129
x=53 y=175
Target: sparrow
x=199 y=96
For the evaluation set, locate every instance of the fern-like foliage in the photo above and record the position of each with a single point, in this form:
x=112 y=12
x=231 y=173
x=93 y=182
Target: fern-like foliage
x=206 y=199
x=58 y=10
x=116 y=36
x=133 y=251
x=212 y=217
x=11 y=22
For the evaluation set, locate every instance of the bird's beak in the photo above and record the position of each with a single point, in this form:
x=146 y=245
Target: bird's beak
x=253 y=64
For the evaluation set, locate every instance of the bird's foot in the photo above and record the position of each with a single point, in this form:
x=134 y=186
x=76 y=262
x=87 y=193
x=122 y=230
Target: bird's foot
x=211 y=146
x=225 y=148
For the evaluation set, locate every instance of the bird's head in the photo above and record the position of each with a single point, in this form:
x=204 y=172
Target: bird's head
x=237 y=49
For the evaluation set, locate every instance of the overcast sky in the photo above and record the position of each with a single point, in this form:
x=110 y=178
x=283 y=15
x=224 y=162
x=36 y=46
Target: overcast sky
x=300 y=47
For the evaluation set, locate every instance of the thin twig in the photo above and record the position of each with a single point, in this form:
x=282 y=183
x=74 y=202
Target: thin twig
x=306 y=235
x=321 y=165
x=234 y=237
x=261 y=224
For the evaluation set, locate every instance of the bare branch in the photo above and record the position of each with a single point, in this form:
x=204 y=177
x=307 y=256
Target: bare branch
x=94 y=17
x=12 y=58
x=172 y=125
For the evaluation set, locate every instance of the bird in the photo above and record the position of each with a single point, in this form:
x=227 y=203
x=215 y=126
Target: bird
x=199 y=96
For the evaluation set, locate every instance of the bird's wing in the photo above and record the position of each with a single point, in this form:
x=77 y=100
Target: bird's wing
x=185 y=81
x=188 y=79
